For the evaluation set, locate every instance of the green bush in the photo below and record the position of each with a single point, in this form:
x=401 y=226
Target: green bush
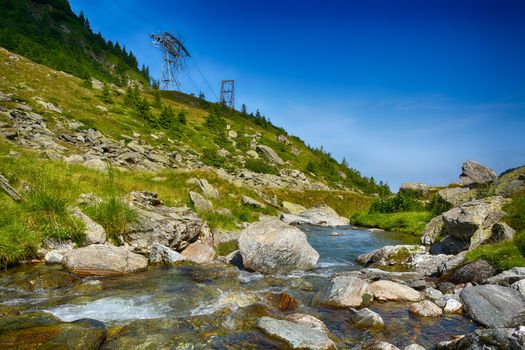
x=400 y=203
x=114 y=215
x=260 y=166
x=212 y=158
x=438 y=206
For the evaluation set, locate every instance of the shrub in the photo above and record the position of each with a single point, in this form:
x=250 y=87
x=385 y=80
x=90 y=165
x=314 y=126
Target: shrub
x=212 y=158
x=438 y=206
x=260 y=166
x=399 y=203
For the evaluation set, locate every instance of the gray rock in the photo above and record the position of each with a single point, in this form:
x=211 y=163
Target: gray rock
x=309 y=321
x=199 y=253
x=379 y=345
x=506 y=278
x=501 y=232
x=323 y=215
x=390 y=255
x=451 y=264
x=292 y=208
x=449 y=245
x=207 y=189
x=89 y=199
x=200 y=203
x=452 y=306
x=474 y=174
x=411 y=279
x=493 y=306
x=95 y=233
x=234 y=258
x=252 y=202
x=432 y=230
x=519 y=286
x=297 y=336
x=173 y=227
x=414 y=347
x=74 y=159
x=269 y=153
x=488 y=339
x=427 y=264
x=53 y=257
x=103 y=260
x=160 y=254
x=425 y=308
x=472 y=221
x=96 y=164
x=366 y=318
x=273 y=247
x=344 y=291
x=416 y=188
x=474 y=272
x=392 y=291
x=433 y=294
x=456 y=196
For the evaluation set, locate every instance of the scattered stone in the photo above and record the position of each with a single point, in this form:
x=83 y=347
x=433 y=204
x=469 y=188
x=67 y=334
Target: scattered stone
x=366 y=318
x=96 y=164
x=297 y=336
x=425 y=308
x=95 y=233
x=160 y=254
x=207 y=189
x=506 y=278
x=53 y=257
x=474 y=174
x=474 y=272
x=252 y=202
x=273 y=247
x=344 y=291
x=392 y=291
x=452 y=306
x=433 y=294
x=200 y=203
x=451 y=264
x=48 y=105
x=103 y=260
x=494 y=306
x=89 y=199
x=199 y=253
x=269 y=153
x=283 y=139
x=74 y=159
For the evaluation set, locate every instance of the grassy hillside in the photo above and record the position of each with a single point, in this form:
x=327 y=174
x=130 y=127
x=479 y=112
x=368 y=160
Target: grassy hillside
x=48 y=32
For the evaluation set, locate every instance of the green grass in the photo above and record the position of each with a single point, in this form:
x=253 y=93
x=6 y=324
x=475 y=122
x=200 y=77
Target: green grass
x=406 y=222
x=114 y=215
x=503 y=255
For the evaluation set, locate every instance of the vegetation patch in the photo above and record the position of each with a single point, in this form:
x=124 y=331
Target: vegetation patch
x=405 y=222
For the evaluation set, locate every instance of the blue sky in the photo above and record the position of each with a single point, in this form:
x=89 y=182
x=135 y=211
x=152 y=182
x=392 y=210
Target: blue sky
x=404 y=90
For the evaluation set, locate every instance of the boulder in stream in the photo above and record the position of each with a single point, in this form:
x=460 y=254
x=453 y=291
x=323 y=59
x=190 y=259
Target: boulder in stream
x=344 y=291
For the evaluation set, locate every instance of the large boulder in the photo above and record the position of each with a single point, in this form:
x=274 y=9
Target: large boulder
x=472 y=221
x=344 y=291
x=390 y=255
x=199 y=253
x=103 y=260
x=474 y=272
x=321 y=215
x=455 y=196
x=269 y=153
x=43 y=331
x=173 y=227
x=272 y=247
x=433 y=230
x=474 y=174
x=494 y=306
x=295 y=335
x=392 y=291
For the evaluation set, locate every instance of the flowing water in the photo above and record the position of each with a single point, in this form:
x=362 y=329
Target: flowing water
x=216 y=306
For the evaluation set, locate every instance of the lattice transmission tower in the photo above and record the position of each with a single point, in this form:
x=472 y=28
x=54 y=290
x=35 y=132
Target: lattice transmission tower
x=228 y=93
x=174 y=55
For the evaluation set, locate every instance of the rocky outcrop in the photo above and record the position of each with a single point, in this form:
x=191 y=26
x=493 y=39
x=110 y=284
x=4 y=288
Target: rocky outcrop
x=456 y=195
x=95 y=233
x=506 y=278
x=344 y=291
x=199 y=253
x=160 y=254
x=269 y=153
x=474 y=174
x=433 y=230
x=273 y=247
x=494 y=306
x=425 y=308
x=392 y=291
x=296 y=335
x=175 y=228
x=103 y=260
x=472 y=221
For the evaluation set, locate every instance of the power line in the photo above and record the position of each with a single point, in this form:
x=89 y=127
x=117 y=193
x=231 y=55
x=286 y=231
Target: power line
x=204 y=77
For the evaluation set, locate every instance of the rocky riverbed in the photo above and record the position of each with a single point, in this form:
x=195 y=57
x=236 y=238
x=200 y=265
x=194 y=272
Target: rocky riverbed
x=189 y=306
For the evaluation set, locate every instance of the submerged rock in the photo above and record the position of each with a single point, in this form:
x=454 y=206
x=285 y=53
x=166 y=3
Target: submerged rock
x=297 y=336
x=43 y=331
x=425 y=308
x=366 y=318
x=344 y=291
x=103 y=260
x=494 y=306
x=488 y=339
x=379 y=345
x=273 y=247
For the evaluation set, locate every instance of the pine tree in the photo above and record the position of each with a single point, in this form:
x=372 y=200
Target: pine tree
x=243 y=109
